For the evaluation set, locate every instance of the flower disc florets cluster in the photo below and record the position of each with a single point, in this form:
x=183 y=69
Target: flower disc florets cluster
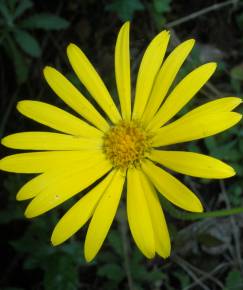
x=126 y=144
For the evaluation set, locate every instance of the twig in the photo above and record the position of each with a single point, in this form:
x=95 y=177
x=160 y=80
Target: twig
x=209 y=275
x=236 y=233
x=185 y=267
x=200 y=13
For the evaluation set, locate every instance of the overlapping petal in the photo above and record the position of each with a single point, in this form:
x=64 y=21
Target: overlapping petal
x=171 y=188
x=165 y=78
x=221 y=105
x=161 y=234
x=138 y=214
x=193 y=164
x=195 y=127
x=92 y=81
x=149 y=67
x=73 y=98
x=36 y=185
x=67 y=183
x=38 y=162
x=103 y=216
x=57 y=119
x=50 y=141
x=80 y=212
x=182 y=94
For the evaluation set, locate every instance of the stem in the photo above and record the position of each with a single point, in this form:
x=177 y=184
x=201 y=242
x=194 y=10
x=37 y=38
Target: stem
x=125 y=243
x=194 y=216
x=200 y=13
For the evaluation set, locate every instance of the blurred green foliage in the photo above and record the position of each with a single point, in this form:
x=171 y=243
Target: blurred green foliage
x=17 y=31
x=207 y=254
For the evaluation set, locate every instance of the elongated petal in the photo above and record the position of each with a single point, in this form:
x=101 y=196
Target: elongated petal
x=171 y=188
x=92 y=81
x=73 y=98
x=217 y=106
x=103 y=216
x=193 y=164
x=38 y=184
x=139 y=218
x=195 y=127
x=166 y=77
x=49 y=141
x=56 y=118
x=66 y=185
x=79 y=214
x=122 y=69
x=161 y=234
x=148 y=70
x=37 y=162
x=182 y=94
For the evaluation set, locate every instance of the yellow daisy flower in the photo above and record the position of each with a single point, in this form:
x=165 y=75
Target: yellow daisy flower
x=126 y=146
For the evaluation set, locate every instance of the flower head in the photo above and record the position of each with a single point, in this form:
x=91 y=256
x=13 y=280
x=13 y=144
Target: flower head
x=116 y=147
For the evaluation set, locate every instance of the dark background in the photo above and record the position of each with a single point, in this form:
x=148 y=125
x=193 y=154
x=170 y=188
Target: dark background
x=207 y=253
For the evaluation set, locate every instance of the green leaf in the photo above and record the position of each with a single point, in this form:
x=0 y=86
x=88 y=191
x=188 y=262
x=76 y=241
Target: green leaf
x=162 y=6
x=209 y=240
x=22 y=7
x=27 y=42
x=125 y=8
x=234 y=281
x=112 y=271
x=116 y=242
x=237 y=72
x=45 y=21
x=61 y=273
x=21 y=67
x=4 y=11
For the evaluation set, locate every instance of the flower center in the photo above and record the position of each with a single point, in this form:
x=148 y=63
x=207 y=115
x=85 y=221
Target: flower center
x=126 y=143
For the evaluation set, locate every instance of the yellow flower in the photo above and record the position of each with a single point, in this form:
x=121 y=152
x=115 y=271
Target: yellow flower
x=121 y=147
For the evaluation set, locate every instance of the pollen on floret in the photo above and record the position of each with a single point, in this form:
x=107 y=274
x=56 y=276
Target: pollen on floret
x=126 y=144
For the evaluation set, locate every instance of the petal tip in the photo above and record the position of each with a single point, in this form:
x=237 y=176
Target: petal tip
x=4 y=141
x=71 y=46
x=190 y=42
x=88 y=256
x=47 y=69
x=28 y=214
x=54 y=240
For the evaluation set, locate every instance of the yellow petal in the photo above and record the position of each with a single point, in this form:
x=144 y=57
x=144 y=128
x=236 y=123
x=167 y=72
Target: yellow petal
x=122 y=69
x=73 y=98
x=103 y=216
x=193 y=164
x=138 y=214
x=42 y=181
x=57 y=119
x=79 y=214
x=217 y=106
x=166 y=77
x=37 y=162
x=182 y=94
x=148 y=70
x=161 y=234
x=50 y=141
x=195 y=127
x=65 y=185
x=92 y=81
x=171 y=188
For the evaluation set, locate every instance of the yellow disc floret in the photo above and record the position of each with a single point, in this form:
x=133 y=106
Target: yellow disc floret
x=126 y=144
